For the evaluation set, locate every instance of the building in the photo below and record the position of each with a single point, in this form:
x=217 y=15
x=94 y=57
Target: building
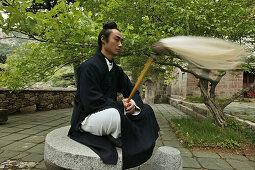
x=186 y=85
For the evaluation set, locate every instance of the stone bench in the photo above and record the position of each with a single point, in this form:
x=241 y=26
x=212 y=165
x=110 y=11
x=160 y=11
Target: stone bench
x=61 y=152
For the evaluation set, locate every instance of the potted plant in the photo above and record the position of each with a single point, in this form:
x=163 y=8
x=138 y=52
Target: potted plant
x=3 y=116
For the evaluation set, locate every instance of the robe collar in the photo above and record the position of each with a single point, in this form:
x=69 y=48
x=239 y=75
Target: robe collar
x=105 y=60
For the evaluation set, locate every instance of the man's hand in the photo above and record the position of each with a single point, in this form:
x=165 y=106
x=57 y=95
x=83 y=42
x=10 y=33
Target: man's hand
x=129 y=107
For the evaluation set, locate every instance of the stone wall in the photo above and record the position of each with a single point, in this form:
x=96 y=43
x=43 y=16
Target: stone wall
x=156 y=91
x=30 y=100
x=186 y=85
x=228 y=85
x=179 y=84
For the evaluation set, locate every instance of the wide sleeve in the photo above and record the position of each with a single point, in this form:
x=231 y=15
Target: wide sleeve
x=91 y=95
x=125 y=87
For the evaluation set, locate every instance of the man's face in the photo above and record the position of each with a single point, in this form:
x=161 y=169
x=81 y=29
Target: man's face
x=114 y=44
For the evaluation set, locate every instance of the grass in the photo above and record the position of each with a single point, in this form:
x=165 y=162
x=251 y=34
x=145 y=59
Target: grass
x=194 y=99
x=204 y=133
x=201 y=100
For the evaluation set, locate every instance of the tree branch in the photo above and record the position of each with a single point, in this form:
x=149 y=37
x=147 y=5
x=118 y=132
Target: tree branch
x=29 y=35
x=237 y=94
x=215 y=83
x=220 y=77
x=15 y=37
x=188 y=71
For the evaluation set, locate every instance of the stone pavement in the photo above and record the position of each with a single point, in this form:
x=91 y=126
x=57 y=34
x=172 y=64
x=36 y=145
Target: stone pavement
x=22 y=141
x=243 y=110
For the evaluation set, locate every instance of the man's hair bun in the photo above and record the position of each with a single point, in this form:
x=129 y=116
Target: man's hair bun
x=110 y=25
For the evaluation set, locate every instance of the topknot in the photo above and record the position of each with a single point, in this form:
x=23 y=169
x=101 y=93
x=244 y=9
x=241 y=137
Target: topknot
x=110 y=25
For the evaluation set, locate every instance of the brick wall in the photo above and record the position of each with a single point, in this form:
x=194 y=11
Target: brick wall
x=188 y=86
x=36 y=99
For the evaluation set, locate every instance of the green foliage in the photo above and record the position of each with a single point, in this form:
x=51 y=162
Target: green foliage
x=229 y=144
x=204 y=133
x=63 y=77
x=243 y=128
x=67 y=34
x=61 y=33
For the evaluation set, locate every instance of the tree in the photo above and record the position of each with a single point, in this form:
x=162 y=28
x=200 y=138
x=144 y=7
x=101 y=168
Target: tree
x=152 y=20
x=61 y=36
x=66 y=34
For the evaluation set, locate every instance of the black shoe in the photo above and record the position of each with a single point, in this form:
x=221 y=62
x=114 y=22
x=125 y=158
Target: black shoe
x=116 y=142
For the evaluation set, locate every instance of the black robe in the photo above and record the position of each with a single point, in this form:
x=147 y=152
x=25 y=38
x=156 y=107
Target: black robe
x=97 y=89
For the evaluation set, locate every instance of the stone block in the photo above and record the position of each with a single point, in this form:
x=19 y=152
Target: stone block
x=167 y=158
x=3 y=96
x=28 y=109
x=27 y=96
x=50 y=106
x=4 y=103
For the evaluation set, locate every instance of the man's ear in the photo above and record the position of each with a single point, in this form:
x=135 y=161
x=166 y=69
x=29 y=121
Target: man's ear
x=103 y=39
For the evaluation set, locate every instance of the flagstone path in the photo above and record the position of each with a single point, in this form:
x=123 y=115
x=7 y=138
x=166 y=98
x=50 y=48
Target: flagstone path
x=22 y=141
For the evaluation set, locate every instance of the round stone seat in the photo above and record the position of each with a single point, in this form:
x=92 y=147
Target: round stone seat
x=61 y=152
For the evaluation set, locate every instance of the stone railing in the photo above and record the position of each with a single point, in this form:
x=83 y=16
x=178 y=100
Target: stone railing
x=29 y=100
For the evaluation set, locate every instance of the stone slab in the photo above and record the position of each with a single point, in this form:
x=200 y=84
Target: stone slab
x=205 y=154
x=190 y=162
x=173 y=143
x=21 y=155
x=3 y=134
x=34 y=139
x=39 y=148
x=18 y=146
x=237 y=164
x=35 y=157
x=61 y=151
x=31 y=131
x=41 y=165
x=10 y=130
x=236 y=157
x=185 y=152
x=12 y=137
x=4 y=143
x=8 y=154
x=213 y=163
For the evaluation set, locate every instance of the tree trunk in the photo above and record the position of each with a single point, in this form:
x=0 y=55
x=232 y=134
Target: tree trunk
x=211 y=104
x=75 y=67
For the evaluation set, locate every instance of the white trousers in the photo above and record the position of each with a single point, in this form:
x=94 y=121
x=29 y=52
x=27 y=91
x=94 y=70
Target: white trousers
x=105 y=122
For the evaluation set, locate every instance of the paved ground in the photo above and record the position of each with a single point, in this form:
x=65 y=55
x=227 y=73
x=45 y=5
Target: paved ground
x=243 y=110
x=22 y=141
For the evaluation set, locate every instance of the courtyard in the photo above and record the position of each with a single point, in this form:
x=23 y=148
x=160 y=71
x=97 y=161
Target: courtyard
x=22 y=141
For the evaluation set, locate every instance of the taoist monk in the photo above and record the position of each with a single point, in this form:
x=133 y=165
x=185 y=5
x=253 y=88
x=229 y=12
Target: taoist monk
x=101 y=122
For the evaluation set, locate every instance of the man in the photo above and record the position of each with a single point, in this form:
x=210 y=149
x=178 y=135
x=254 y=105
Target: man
x=99 y=120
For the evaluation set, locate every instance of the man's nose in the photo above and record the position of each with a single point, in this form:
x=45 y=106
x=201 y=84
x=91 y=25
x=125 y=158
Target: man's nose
x=120 y=44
